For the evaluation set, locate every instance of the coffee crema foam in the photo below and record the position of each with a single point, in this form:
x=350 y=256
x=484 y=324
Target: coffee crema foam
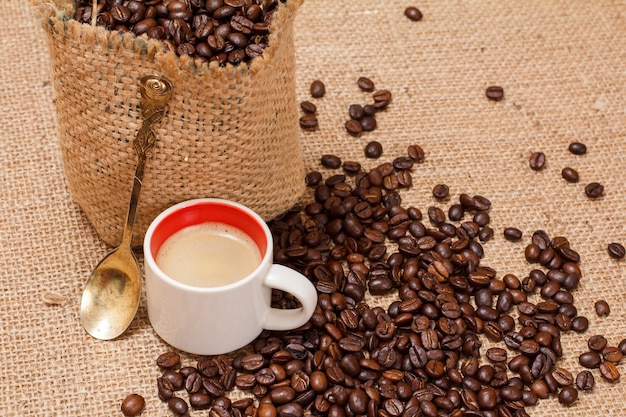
x=208 y=255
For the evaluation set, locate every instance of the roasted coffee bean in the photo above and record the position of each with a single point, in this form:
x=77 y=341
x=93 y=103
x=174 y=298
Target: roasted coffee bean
x=317 y=89
x=609 y=371
x=512 y=234
x=590 y=360
x=537 y=161
x=178 y=406
x=577 y=148
x=616 y=250
x=168 y=360
x=133 y=405
x=356 y=111
x=413 y=13
x=612 y=354
x=568 y=395
x=495 y=93
x=308 y=121
x=569 y=174
x=580 y=324
x=594 y=190
x=440 y=191
x=416 y=153
x=373 y=150
x=368 y=123
x=354 y=127
x=365 y=84
x=585 y=380
x=597 y=343
x=308 y=107
x=382 y=98
x=602 y=308
x=331 y=161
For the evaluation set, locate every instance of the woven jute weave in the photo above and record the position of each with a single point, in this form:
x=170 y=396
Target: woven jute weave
x=562 y=67
x=230 y=132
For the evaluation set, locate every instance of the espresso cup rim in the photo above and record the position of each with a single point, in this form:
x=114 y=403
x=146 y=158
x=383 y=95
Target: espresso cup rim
x=150 y=259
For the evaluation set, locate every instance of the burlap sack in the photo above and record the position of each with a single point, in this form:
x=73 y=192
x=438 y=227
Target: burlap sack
x=229 y=132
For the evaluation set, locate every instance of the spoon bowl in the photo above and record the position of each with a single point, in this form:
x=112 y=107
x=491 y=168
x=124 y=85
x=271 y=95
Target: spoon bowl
x=111 y=296
x=116 y=281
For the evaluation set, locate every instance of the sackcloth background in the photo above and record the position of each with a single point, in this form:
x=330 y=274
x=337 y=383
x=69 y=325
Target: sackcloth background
x=562 y=65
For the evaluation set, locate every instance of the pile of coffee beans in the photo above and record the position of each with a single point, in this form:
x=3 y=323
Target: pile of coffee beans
x=422 y=354
x=226 y=31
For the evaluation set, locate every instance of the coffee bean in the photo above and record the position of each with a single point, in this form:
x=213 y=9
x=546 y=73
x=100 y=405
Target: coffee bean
x=612 y=354
x=495 y=93
x=382 y=98
x=416 y=153
x=512 y=234
x=413 y=13
x=331 y=161
x=577 y=148
x=594 y=190
x=365 y=84
x=616 y=250
x=585 y=380
x=609 y=371
x=568 y=395
x=308 y=107
x=590 y=360
x=354 y=127
x=537 y=161
x=569 y=174
x=602 y=308
x=440 y=191
x=317 y=89
x=580 y=324
x=178 y=406
x=373 y=150
x=308 y=121
x=597 y=343
x=133 y=405
x=368 y=123
x=168 y=360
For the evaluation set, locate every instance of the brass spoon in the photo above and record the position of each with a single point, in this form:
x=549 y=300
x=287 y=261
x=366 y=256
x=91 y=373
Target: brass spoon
x=111 y=296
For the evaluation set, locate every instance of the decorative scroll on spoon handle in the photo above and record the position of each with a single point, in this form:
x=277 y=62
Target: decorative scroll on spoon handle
x=155 y=92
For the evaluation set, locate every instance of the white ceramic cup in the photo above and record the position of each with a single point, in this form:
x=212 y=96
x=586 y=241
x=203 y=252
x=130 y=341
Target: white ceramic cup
x=216 y=320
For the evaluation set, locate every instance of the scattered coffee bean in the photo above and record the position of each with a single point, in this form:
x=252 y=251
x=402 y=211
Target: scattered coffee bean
x=365 y=84
x=373 y=149
x=308 y=121
x=569 y=174
x=602 y=308
x=416 y=153
x=317 y=89
x=616 y=250
x=594 y=190
x=494 y=93
x=568 y=395
x=590 y=360
x=512 y=234
x=382 y=98
x=577 y=148
x=354 y=127
x=178 y=406
x=580 y=324
x=413 y=13
x=368 y=123
x=537 y=161
x=622 y=346
x=168 y=360
x=133 y=405
x=597 y=343
x=308 y=107
x=313 y=178
x=585 y=380
x=331 y=161
x=609 y=371
x=440 y=191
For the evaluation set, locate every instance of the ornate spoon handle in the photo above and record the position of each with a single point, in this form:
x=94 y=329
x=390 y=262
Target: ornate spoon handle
x=155 y=92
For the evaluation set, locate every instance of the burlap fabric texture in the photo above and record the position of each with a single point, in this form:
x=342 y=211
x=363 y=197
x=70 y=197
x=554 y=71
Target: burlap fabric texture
x=229 y=132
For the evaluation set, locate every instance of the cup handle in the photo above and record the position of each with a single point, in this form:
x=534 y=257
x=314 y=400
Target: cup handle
x=288 y=280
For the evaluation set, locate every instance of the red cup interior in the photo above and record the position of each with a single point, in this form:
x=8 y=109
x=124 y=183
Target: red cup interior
x=208 y=212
